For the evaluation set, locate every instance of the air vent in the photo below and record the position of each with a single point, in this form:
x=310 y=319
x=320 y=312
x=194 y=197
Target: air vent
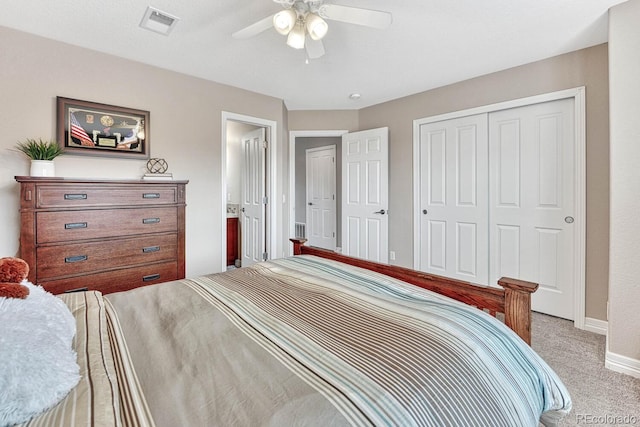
x=158 y=21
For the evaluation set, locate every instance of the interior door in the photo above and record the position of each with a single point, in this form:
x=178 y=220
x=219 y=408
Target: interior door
x=321 y=197
x=532 y=201
x=453 y=198
x=254 y=199
x=365 y=194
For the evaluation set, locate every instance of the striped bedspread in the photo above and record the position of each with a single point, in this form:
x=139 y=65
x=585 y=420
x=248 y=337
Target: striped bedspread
x=309 y=341
x=383 y=352
x=96 y=400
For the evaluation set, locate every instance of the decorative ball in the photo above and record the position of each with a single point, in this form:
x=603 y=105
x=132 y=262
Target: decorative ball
x=157 y=165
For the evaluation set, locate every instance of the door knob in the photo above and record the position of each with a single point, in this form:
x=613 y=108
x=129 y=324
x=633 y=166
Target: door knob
x=242 y=210
x=381 y=212
x=568 y=219
x=424 y=211
x=310 y=204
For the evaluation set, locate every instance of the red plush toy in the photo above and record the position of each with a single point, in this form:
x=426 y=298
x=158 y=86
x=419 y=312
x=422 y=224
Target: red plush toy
x=12 y=272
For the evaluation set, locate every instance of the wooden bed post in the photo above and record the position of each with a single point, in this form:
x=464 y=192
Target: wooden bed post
x=297 y=245
x=517 y=303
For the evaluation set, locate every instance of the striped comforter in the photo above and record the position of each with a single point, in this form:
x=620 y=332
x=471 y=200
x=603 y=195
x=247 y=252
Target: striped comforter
x=308 y=341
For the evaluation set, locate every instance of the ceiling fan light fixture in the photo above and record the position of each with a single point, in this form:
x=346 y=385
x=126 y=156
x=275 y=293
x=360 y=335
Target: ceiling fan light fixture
x=304 y=23
x=284 y=21
x=316 y=26
x=296 y=36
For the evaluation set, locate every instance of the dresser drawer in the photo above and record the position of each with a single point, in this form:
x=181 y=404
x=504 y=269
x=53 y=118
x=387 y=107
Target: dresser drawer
x=66 y=226
x=83 y=196
x=76 y=258
x=116 y=280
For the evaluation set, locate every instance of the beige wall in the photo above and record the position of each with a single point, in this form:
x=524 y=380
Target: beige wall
x=185 y=128
x=623 y=351
x=586 y=67
x=323 y=120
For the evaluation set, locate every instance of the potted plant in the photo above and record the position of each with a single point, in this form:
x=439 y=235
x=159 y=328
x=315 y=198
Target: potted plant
x=41 y=154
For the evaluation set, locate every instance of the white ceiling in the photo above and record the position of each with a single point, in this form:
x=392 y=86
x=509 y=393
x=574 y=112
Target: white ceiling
x=429 y=44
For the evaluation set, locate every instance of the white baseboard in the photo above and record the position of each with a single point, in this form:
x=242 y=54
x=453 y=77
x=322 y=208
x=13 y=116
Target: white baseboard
x=596 y=325
x=622 y=364
x=613 y=361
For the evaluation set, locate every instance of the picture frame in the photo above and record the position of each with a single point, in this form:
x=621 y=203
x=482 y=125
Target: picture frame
x=95 y=129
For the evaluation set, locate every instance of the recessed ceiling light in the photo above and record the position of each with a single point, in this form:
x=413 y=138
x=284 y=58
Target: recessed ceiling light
x=158 y=21
x=354 y=96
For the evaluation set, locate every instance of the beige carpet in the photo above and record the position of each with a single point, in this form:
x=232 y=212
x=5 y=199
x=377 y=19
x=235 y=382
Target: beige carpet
x=600 y=396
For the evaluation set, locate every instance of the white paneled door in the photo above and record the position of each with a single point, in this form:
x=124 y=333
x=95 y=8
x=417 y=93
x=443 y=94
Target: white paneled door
x=365 y=194
x=497 y=197
x=532 y=201
x=254 y=199
x=453 y=198
x=321 y=197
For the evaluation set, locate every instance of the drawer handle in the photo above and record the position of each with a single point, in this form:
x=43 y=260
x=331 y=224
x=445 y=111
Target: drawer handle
x=150 y=277
x=76 y=290
x=76 y=258
x=150 y=220
x=74 y=225
x=75 y=196
x=151 y=195
x=150 y=249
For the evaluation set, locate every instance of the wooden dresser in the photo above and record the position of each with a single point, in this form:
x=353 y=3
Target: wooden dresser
x=106 y=235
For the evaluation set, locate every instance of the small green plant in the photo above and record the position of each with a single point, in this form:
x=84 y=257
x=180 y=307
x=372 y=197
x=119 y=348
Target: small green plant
x=39 y=149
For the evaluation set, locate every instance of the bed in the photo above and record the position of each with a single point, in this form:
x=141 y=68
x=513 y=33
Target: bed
x=314 y=339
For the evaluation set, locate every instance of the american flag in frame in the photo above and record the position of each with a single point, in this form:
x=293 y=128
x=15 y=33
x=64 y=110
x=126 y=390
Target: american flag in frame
x=96 y=129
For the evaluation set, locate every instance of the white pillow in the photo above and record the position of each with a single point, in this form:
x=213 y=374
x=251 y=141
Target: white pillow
x=37 y=363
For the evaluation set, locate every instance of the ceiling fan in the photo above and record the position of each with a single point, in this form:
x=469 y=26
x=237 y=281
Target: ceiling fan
x=304 y=22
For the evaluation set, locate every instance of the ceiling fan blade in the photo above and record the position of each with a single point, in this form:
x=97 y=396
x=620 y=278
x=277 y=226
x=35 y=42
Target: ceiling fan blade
x=254 y=29
x=315 y=48
x=356 y=15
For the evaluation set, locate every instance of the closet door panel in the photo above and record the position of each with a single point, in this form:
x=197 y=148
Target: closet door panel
x=453 y=202
x=532 y=189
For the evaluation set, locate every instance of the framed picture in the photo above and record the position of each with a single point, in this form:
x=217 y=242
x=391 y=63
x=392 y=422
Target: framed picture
x=89 y=128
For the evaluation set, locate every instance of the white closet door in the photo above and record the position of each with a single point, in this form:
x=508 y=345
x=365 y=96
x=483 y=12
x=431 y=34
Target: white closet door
x=532 y=201
x=453 y=198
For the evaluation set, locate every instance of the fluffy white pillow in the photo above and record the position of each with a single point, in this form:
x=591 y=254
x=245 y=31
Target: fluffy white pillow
x=37 y=363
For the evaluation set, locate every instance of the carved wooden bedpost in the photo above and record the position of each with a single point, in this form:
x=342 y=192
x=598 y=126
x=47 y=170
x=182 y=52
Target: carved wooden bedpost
x=297 y=245
x=517 y=299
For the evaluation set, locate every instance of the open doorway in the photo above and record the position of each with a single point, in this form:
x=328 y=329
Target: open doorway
x=363 y=205
x=299 y=143
x=248 y=216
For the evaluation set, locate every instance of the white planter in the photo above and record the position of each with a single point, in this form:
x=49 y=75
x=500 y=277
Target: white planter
x=42 y=168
